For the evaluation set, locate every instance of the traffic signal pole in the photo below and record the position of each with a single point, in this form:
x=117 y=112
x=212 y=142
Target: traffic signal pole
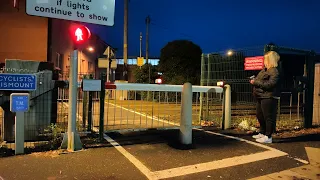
x=71 y=140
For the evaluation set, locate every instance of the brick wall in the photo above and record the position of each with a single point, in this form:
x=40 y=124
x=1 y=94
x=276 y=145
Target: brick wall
x=21 y=36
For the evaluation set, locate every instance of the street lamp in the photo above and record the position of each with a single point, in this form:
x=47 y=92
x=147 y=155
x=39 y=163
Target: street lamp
x=90 y=49
x=230 y=52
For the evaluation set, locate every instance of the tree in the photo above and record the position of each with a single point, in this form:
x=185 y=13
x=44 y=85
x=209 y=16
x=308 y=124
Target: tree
x=180 y=62
x=141 y=74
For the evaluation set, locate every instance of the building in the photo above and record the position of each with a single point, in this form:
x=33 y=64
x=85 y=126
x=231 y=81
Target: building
x=22 y=36
x=132 y=64
x=43 y=39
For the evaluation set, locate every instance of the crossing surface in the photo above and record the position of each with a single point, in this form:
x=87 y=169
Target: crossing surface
x=158 y=155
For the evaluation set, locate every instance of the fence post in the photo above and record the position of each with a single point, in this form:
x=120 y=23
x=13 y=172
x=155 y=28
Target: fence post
x=310 y=69
x=226 y=107
x=90 y=108
x=84 y=106
x=201 y=84
x=186 y=115
x=208 y=84
x=102 y=99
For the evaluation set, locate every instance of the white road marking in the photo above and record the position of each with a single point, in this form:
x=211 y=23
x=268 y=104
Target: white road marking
x=224 y=163
x=138 y=164
x=254 y=143
x=131 y=158
x=228 y=162
x=243 y=140
x=301 y=160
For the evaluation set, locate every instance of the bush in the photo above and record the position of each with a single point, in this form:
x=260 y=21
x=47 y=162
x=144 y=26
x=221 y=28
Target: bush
x=55 y=136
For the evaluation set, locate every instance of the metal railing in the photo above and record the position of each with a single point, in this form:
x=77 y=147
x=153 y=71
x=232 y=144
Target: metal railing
x=132 y=107
x=142 y=106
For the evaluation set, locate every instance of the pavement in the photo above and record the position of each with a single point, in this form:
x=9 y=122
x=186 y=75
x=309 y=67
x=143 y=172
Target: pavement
x=158 y=154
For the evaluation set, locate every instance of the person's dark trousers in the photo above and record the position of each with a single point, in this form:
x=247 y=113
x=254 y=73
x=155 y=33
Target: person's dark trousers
x=267 y=115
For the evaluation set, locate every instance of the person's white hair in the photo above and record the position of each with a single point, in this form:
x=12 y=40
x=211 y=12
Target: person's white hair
x=271 y=59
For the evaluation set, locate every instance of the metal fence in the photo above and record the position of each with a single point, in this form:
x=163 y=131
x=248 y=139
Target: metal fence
x=229 y=67
x=132 y=110
x=37 y=119
x=143 y=106
x=48 y=116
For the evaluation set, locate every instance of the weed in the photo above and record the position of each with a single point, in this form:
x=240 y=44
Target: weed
x=55 y=135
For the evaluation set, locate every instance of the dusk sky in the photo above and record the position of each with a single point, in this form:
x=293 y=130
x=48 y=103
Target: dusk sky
x=217 y=25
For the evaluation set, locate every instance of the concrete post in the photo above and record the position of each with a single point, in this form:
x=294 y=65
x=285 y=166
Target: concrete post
x=186 y=115
x=227 y=107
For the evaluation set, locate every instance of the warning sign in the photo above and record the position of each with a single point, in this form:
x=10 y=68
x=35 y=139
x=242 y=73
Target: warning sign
x=140 y=61
x=254 y=63
x=90 y=11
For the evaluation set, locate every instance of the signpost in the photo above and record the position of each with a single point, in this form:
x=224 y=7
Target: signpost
x=18 y=82
x=19 y=103
x=103 y=63
x=254 y=63
x=89 y=11
x=140 y=61
x=91 y=85
x=71 y=140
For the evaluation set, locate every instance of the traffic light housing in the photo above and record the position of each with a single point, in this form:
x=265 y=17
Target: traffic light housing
x=79 y=34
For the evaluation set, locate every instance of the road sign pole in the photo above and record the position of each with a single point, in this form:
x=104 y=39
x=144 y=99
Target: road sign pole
x=108 y=74
x=19 y=133
x=71 y=140
x=19 y=103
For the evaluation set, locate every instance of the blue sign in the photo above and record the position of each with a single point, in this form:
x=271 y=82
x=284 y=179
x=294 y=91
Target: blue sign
x=18 y=82
x=19 y=102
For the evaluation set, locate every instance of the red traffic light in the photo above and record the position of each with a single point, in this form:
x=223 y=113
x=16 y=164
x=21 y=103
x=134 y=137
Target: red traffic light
x=79 y=34
x=158 y=81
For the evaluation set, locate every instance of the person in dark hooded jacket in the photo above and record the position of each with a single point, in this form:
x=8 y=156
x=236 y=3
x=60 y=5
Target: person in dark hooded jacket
x=266 y=90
